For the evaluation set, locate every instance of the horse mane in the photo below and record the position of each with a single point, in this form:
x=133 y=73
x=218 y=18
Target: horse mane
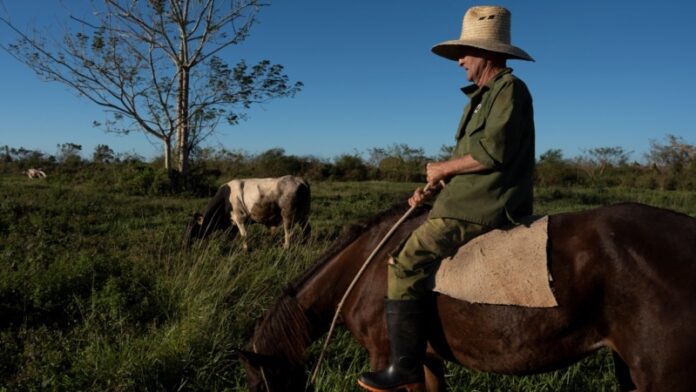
x=285 y=330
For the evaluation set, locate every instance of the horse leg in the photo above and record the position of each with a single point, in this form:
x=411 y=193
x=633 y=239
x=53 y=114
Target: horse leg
x=623 y=374
x=434 y=375
x=657 y=370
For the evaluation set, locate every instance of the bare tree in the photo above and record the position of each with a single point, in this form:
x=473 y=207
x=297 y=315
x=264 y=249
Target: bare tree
x=596 y=160
x=103 y=154
x=157 y=66
x=674 y=155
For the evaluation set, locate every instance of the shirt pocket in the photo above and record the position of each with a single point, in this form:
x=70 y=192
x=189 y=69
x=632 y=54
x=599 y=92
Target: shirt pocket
x=477 y=124
x=469 y=136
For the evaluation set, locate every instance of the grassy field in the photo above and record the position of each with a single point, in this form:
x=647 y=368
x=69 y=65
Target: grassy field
x=97 y=293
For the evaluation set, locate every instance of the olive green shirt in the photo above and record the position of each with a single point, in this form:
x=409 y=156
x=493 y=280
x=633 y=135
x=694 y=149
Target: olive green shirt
x=497 y=129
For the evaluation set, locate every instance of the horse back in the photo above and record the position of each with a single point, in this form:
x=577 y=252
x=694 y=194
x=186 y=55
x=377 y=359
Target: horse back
x=628 y=270
x=623 y=278
x=650 y=245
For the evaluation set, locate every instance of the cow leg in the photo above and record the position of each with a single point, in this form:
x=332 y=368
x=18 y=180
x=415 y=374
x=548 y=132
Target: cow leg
x=243 y=233
x=239 y=221
x=287 y=228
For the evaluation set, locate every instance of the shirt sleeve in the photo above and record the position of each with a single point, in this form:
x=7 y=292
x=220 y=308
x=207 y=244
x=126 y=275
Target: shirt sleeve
x=502 y=131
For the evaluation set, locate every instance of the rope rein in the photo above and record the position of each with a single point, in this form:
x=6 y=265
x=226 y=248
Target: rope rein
x=263 y=374
x=353 y=283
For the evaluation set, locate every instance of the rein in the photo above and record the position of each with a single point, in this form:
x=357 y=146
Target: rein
x=263 y=374
x=355 y=280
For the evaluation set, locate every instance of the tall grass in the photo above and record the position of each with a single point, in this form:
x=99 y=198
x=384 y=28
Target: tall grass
x=97 y=292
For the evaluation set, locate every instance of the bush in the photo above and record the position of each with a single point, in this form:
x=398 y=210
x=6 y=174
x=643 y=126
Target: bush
x=136 y=179
x=350 y=167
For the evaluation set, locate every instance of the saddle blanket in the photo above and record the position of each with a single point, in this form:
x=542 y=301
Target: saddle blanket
x=502 y=267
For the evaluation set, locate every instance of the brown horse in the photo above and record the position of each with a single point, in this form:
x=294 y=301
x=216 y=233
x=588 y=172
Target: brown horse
x=624 y=277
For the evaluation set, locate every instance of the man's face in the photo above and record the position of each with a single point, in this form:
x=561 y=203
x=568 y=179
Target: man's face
x=474 y=66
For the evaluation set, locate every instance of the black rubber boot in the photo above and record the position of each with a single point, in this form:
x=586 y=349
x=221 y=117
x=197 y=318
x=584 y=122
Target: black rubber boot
x=407 y=340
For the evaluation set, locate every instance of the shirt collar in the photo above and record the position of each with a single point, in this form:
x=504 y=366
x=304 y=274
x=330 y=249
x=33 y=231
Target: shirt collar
x=472 y=89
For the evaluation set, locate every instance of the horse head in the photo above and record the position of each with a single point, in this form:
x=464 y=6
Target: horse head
x=272 y=373
x=274 y=358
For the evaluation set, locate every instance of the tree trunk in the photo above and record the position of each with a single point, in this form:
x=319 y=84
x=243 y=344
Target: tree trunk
x=167 y=146
x=183 y=123
x=182 y=132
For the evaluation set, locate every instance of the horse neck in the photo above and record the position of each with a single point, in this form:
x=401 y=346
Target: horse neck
x=320 y=295
x=285 y=331
x=305 y=312
x=302 y=313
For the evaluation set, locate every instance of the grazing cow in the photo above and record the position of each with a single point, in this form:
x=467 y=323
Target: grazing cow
x=35 y=173
x=269 y=201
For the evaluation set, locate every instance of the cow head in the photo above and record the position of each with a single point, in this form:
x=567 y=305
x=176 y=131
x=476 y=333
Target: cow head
x=194 y=228
x=201 y=225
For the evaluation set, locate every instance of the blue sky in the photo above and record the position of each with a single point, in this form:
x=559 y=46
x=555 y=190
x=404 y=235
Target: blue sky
x=607 y=73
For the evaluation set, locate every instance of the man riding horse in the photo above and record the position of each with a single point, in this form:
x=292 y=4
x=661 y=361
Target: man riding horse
x=488 y=185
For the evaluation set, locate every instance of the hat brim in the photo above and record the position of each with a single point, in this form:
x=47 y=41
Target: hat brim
x=455 y=49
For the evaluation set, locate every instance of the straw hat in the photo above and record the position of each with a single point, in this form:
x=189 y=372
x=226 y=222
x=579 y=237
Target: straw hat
x=484 y=27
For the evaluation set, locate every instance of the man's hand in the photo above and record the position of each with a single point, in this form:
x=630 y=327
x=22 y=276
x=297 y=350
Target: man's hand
x=419 y=196
x=422 y=194
x=435 y=172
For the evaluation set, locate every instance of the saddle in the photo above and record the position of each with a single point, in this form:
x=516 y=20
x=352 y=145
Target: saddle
x=502 y=267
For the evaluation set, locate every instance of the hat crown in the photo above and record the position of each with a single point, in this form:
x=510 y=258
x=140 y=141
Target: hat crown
x=487 y=23
x=484 y=27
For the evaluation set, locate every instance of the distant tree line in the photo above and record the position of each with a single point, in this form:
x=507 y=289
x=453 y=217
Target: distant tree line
x=668 y=165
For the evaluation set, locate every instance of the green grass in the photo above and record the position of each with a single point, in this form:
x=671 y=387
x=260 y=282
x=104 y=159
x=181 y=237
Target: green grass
x=97 y=293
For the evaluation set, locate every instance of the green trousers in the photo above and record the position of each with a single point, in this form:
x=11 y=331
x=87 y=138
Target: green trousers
x=417 y=258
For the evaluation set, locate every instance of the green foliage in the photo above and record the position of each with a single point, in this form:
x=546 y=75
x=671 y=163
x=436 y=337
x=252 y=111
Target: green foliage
x=676 y=154
x=670 y=166
x=350 y=167
x=136 y=178
x=103 y=154
x=274 y=163
x=69 y=154
x=97 y=293
x=17 y=159
x=400 y=162
x=608 y=156
x=553 y=170
x=446 y=152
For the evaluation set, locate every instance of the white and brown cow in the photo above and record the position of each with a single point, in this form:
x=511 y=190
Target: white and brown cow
x=269 y=201
x=35 y=173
